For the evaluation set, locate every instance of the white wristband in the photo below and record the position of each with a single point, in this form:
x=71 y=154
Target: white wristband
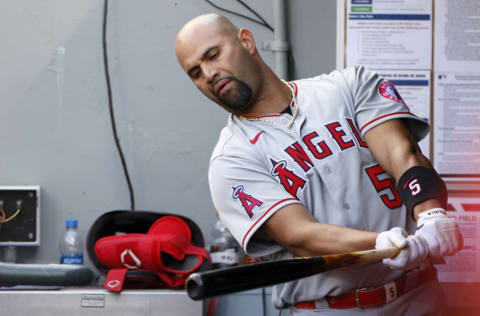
x=434 y=212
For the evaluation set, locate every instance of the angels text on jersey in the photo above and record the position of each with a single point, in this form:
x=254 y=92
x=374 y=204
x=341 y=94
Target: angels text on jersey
x=305 y=152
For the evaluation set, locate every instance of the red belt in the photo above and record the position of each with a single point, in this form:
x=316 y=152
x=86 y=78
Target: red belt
x=375 y=296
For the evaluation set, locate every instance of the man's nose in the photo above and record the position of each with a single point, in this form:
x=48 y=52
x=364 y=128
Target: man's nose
x=211 y=73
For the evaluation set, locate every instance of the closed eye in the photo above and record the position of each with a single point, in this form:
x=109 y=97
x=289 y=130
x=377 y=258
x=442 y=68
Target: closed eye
x=213 y=55
x=210 y=54
x=194 y=72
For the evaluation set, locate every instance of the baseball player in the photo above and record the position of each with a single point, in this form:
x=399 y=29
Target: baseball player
x=319 y=166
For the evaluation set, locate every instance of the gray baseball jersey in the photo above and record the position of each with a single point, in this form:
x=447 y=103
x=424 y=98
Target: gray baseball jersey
x=323 y=163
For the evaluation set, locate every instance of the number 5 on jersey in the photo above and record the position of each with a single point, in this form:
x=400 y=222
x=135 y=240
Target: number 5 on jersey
x=381 y=185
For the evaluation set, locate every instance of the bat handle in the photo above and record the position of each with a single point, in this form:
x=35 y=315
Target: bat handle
x=361 y=257
x=389 y=252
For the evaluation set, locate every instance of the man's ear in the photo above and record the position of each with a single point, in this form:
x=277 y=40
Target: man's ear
x=246 y=39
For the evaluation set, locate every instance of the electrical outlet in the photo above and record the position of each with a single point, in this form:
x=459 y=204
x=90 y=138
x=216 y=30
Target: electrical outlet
x=19 y=215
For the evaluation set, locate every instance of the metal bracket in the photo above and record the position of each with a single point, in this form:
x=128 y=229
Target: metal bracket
x=276 y=46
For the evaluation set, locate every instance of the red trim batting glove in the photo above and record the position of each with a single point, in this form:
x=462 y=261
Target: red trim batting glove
x=440 y=232
x=413 y=250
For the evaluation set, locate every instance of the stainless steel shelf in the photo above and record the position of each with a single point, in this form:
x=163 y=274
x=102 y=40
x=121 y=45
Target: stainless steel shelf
x=96 y=301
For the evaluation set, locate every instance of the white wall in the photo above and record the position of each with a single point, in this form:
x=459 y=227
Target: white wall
x=54 y=112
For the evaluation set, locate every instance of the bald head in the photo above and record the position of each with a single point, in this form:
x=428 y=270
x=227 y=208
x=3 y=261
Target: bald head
x=211 y=24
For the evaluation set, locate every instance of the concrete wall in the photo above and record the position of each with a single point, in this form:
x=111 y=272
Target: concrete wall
x=54 y=112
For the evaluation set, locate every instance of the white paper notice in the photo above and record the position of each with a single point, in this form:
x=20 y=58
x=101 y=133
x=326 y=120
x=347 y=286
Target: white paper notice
x=465 y=265
x=457 y=124
x=414 y=88
x=457 y=35
x=382 y=34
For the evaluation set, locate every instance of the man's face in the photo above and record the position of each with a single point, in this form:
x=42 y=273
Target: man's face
x=218 y=64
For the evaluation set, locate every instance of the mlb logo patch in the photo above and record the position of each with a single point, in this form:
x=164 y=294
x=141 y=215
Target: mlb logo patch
x=388 y=90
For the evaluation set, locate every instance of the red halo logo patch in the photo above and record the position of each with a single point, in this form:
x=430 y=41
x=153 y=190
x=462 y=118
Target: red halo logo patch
x=387 y=90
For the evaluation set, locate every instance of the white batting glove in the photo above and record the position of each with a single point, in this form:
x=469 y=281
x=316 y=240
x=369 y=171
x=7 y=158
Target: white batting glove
x=440 y=232
x=413 y=250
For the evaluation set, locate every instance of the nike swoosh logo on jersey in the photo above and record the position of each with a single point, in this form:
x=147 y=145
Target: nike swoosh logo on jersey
x=254 y=140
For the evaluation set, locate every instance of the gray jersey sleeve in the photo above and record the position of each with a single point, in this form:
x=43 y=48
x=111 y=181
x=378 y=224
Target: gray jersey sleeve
x=246 y=196
x=375 y=100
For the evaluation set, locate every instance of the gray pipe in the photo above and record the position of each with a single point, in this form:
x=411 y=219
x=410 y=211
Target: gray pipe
x=280 y=45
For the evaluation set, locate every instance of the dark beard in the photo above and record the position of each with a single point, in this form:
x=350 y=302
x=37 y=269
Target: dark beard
x=237 y=99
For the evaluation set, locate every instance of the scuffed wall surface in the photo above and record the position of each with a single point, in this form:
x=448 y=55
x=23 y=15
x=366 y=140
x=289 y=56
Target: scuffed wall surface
x=54 y=110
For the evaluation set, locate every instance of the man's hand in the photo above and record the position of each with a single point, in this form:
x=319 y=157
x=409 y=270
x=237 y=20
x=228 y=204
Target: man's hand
x=414 y=249
x=440 y=232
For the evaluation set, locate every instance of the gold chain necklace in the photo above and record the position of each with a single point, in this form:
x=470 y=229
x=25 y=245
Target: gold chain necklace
x=295 y=113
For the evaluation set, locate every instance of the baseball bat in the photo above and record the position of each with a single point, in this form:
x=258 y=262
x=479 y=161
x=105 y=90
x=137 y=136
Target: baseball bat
x=223 y=281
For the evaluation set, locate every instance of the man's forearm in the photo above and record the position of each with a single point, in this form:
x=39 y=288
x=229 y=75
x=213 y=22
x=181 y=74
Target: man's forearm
x=295 y=228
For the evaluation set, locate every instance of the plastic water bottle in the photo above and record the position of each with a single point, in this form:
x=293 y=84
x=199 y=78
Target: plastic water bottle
x=225 y=251
x=71 y=246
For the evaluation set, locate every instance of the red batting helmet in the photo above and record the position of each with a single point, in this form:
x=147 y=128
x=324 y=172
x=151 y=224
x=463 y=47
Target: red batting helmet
x=141 y=249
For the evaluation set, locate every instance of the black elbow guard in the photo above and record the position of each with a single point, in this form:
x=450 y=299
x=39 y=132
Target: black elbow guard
x=419 y=184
